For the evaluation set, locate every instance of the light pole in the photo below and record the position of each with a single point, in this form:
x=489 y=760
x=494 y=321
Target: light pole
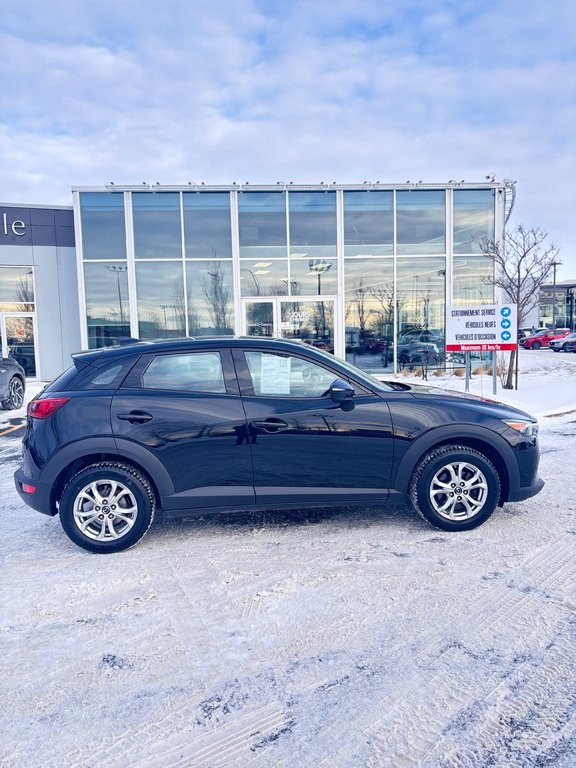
x=554 y=265
x=254 y=279
x=118 y=269
x=319 y=266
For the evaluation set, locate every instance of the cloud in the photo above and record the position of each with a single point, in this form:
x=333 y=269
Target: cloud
x=261 y=90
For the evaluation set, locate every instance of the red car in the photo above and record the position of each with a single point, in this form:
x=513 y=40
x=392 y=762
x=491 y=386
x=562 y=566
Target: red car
x=543 y=338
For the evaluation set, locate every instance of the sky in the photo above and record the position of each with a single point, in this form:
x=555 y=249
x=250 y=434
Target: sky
x=225 y=91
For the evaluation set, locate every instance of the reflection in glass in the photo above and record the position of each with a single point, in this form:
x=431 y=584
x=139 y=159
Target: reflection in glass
x=473 y=219
x=20 y=339
x=262 y=224
x=314 y=277
x=420 y=221
x=210 y=298
x=420 y=301
x=157 y=233
x=369 y=308
x=471 y=281
x=161 y=306
x=368 y=223
x=259 y=318
x=107 y=307
x=207 y=228
x=312 y=224
x=103 y=227
x=16 y=289
x=309 y=321
x=264 y=277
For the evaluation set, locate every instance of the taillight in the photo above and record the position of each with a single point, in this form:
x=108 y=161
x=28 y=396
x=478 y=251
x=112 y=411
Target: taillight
x=42 y=409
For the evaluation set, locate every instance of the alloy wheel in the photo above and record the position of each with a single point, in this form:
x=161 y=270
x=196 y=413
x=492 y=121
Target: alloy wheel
x=16 y=392
x=105 y=510
x=458 y=491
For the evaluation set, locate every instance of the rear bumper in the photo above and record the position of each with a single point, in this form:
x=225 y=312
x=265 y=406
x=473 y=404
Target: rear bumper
x=40 y=499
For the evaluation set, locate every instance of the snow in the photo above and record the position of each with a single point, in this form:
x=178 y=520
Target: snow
x=337 y=638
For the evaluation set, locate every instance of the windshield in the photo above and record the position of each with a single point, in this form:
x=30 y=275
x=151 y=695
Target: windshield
x=371 y=381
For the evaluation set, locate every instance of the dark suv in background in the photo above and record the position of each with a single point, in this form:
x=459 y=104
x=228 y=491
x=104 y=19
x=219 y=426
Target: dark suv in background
x=165 y=428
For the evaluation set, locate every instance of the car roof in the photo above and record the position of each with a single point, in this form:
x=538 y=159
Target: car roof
x=128 y=347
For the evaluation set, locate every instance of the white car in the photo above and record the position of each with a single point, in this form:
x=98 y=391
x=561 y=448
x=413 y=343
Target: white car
x=559 y=345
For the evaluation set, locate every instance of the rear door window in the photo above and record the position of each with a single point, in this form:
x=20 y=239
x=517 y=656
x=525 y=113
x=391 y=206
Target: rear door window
x=186 y=372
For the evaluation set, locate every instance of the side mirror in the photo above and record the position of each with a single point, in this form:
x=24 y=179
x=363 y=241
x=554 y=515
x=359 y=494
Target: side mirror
x=341 y=391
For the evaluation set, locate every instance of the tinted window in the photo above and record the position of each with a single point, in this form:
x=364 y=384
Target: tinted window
x=109 y=377
x=207 y=225
x=157 y=233
x=103 y=230
x=287 y=376
x=420 y=221
x=189 y=372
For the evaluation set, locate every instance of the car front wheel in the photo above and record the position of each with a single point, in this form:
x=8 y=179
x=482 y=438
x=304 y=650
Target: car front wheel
x=536 y=345
x=107 y=507
x=455 y=488
x=15 y=396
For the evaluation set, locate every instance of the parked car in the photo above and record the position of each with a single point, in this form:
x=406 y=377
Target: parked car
x=410 y=352
x=157 y=429
x=525 y=332
x=544 y=337
x=378 y=346
x=570 y=346
x=12 y=383
x=428 y=337
x=23 y=353
x=559 y=345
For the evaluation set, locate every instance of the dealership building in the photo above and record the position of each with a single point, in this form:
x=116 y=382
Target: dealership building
x=347 y=268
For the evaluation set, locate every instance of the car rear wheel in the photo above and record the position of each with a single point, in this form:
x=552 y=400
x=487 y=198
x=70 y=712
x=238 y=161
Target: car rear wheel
x=107 y=507
x=455 y=488
x=15 y=396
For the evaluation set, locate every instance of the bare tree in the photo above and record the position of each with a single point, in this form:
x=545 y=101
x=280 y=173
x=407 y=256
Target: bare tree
x=218 y=296
x=523 y=261
x=358 y=303
x=24 y=293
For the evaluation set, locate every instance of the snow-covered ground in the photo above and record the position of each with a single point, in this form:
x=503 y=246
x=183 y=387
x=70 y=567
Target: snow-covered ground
x=336 y=638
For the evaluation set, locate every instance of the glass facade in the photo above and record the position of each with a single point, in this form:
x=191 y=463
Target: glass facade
x=357 y=271
x=16 y=289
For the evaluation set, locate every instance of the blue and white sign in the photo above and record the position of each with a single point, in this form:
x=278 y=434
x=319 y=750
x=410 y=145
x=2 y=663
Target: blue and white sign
x=481 y=328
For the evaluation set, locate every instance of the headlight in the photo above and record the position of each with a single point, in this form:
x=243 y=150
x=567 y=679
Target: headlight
x=526 y=428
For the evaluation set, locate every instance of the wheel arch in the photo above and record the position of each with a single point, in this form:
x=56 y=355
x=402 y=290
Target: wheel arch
x=80 y=455
x=489 y=444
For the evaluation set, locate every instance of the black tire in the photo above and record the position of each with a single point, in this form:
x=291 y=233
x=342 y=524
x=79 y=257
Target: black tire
x=460 y=468
x=536 y=345
x=107 y=507
x=15 y=396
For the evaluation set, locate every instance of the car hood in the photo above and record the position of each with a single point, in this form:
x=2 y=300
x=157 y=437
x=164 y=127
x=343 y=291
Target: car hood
x=501 y=410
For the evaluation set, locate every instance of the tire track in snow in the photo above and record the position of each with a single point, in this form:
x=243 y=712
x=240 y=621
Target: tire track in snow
x=407 y=731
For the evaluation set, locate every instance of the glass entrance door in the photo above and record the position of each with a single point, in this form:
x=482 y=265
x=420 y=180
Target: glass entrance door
x=308 y=320
x=18 y=341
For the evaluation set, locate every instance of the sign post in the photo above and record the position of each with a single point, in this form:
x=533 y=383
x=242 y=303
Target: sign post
x=482 y=328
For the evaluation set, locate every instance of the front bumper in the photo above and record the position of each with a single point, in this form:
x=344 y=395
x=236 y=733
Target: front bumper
x=521 y=493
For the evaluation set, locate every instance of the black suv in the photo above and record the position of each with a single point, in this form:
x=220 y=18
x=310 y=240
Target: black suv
x=167 y=427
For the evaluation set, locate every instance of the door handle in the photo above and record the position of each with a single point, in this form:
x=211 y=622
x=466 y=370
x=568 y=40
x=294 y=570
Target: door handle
x=135 y=417
x=271 y=425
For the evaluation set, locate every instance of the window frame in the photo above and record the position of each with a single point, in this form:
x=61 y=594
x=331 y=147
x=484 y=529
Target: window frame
x=247 y=386
x=134 y=379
